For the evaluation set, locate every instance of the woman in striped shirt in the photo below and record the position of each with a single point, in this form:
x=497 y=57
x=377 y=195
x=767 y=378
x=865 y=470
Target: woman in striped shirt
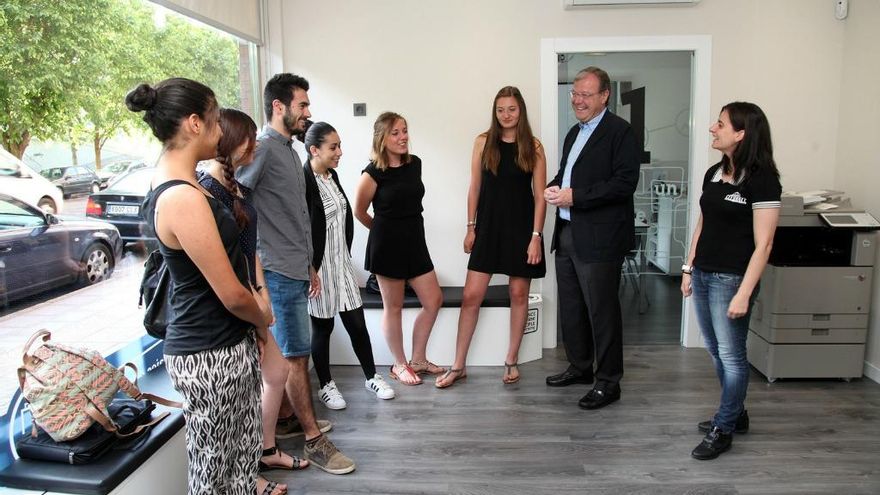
x=332 y=233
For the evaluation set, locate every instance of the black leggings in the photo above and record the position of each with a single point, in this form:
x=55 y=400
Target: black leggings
x=356 y=326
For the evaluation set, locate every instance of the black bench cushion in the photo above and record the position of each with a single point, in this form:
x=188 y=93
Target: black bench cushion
x=114 y=467
x=497 y=296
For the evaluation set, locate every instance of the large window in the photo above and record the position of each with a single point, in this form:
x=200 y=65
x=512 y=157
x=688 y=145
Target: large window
x=67 y=67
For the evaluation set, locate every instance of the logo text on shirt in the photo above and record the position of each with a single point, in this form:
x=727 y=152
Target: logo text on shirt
x=735 y=198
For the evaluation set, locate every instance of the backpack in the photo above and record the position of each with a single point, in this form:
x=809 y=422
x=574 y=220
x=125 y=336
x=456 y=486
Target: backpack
x=69 y=388
x=156 y=281
x=155 y=293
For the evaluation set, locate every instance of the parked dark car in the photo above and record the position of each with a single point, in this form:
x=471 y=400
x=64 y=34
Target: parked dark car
x=111 y=171
x=120 y=204
x=73 y=180
x=39 y=251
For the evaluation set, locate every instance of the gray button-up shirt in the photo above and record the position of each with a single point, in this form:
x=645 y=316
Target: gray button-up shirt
x=284 y=231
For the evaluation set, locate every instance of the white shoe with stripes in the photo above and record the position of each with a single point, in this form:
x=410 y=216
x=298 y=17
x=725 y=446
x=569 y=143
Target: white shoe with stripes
x=331 y=397
x=380 y=387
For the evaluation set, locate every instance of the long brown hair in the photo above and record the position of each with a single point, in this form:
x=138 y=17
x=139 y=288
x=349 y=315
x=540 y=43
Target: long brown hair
x=525 y=140
x=237 y=128
x=381 y=130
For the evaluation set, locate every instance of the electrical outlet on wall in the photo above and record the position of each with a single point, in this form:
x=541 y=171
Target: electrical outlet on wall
x=360 y=109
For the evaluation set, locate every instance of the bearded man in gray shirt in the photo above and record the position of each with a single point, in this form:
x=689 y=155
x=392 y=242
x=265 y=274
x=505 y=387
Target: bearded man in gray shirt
x=278 y=192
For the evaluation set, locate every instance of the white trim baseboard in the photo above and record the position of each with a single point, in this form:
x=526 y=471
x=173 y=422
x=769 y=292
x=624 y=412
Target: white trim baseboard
x=872 y=372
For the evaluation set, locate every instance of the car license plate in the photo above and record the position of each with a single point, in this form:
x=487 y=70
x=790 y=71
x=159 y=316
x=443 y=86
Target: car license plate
x=129 y=210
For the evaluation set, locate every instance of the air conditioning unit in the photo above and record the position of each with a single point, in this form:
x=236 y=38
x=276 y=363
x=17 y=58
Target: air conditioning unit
x=572 y=4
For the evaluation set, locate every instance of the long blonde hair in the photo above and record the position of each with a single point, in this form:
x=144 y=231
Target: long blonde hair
x=381 y=130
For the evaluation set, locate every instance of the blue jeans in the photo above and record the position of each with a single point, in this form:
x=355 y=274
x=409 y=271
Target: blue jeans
x=290 y=303
x=725 y=340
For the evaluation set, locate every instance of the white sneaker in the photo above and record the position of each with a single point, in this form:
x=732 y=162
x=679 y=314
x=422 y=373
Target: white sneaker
x=331 y=397
x=378 y=385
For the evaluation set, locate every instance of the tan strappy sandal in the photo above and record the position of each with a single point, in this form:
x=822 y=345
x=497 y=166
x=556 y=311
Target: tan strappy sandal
x=405 y=374
x=455 y=374
x=426 y=367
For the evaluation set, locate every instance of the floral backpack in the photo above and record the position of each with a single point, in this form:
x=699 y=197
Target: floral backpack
x=69 y=388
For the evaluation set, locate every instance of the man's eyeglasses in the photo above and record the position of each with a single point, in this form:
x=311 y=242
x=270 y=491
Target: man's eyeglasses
x=582 y=96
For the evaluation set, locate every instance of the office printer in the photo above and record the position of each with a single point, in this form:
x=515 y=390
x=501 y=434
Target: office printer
x=810 y=318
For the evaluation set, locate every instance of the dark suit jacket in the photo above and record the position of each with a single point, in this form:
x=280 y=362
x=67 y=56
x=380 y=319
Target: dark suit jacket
x=319 y=218
x=603 y=181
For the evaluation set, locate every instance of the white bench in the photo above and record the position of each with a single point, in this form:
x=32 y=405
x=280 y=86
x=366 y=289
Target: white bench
x=489 y=345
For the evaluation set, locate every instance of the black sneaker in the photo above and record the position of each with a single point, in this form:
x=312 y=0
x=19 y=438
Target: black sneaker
x=742 y=424
x=714 y=444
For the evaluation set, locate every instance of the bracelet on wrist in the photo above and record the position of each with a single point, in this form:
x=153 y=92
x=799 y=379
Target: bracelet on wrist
x=538 y=234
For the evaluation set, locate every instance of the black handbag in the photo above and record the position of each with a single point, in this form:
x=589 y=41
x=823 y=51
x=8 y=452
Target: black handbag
x=129 y=414
x=372 y=286
x=156 y=295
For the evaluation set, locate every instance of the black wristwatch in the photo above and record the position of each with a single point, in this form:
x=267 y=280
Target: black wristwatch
x=685 y=268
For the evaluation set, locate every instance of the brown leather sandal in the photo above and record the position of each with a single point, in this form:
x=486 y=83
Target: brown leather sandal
x=508 y=379
x=405 y=374
x=456 y=374
x=426 y=367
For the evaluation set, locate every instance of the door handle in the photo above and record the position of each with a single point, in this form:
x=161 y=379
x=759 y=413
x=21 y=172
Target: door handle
x=5 y=249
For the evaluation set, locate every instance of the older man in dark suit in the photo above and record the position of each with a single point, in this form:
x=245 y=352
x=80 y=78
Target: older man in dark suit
x=593 y=193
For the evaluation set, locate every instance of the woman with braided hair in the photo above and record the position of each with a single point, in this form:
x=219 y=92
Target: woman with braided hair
x=236 y=149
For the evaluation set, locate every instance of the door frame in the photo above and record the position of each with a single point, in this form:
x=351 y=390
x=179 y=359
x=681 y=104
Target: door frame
x=698 y=156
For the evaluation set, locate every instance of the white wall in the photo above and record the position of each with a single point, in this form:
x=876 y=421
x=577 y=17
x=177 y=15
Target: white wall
x=440 y=63
x=666 y=77
x=858 y=162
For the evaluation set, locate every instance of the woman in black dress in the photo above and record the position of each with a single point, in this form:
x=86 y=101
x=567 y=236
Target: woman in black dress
x=396 y=248
x=504 y=227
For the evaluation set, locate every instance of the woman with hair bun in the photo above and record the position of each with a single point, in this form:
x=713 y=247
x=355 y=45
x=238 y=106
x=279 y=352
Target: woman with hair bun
x=213 y=342
x=332 y=234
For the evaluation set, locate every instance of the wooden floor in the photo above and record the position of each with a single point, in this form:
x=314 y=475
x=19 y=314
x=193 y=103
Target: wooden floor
x=660 y=320
x=807 y=437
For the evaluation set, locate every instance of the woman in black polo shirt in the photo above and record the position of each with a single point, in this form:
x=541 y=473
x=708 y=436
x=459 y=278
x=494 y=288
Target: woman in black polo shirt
x=739 y=210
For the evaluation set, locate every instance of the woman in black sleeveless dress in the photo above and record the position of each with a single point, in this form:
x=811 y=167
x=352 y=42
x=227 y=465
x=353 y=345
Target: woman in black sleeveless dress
x=396 y=249
x=504 y=227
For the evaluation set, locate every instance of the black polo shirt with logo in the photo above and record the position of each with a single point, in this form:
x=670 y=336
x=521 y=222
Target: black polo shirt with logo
x=727 y=239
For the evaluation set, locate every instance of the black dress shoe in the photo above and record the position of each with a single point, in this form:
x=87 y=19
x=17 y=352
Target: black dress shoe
x=599 y=398
x=568 y=377
x=715 y=444
x=742 y=424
